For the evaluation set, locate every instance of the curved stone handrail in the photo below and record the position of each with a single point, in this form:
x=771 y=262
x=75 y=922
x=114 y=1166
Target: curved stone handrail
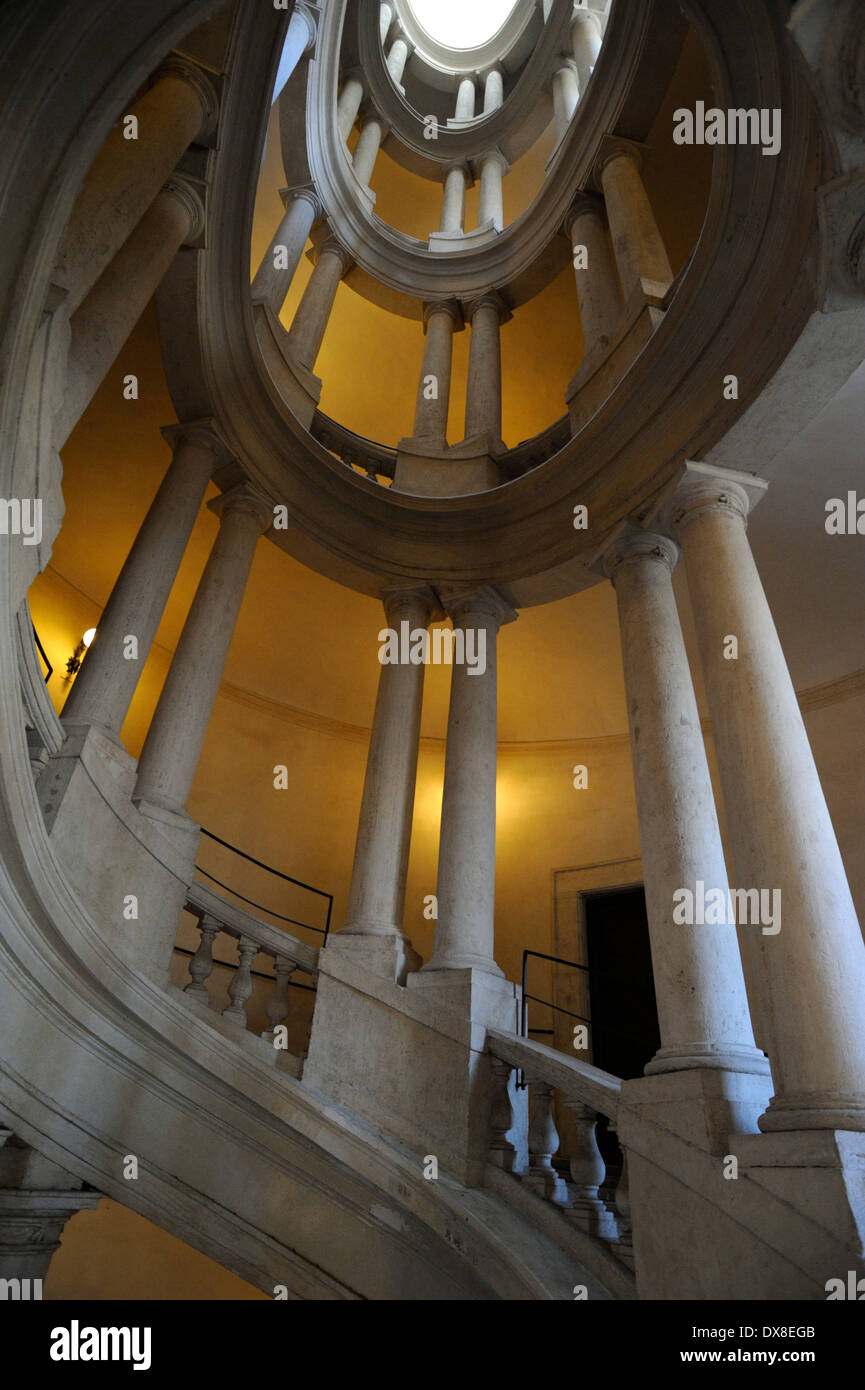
x=577 y=1081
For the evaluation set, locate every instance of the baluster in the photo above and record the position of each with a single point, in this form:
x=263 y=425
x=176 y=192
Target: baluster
x=241 y=985
x=587 y=1209
x=543 y=1144
x=201 y=965
x=501 y=1151
x=277 y=1005
x=622 y=1204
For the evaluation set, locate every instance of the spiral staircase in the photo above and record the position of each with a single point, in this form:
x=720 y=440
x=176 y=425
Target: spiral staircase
x=307 y=1167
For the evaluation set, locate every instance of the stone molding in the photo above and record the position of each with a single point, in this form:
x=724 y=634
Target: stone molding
x=179 y=65
x=191 y=196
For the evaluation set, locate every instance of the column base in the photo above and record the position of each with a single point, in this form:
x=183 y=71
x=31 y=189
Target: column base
x=704 y=1107
x=831 y=1110
x=700 y=1055
x=384 y=952
x=457 y=968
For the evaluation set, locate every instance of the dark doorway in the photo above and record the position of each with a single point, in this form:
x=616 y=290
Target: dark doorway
x=625 y=1033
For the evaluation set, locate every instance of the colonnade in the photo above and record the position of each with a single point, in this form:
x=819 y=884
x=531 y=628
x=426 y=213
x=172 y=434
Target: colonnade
x=808 y=977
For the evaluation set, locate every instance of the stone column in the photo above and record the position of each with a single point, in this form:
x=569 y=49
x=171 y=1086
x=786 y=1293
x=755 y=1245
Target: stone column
x=100 y=327
x=492 y=166
x=276 y=272
x=597 y=286
x=812 y=969
x=308 y=328
x=494 y=90
x=106 y=683
x=368 y=145
x=127 y=175
x=350 y=99
x=465 y=930
x=431 y=415
x=699 y=984
x=465 y=108
x=453 y=217
x=299 y=39
x=640 y=253
x=586 y=39
x=377 y=896
x=385 y=18
x=484 y=389
x=566 y=94
x=179 y=725
x=397 y=58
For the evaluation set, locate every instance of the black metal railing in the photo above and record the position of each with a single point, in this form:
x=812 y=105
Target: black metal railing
x=277 y=873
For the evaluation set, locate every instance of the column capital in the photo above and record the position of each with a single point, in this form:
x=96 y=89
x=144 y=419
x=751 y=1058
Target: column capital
x=418 y=603
x=244 y=500
x=309 y=15
x=465 y=607
x=451 y=307
x=200 y=433
x=490 y=300
x=303 y=192
x=703 y=485
x=190 y=195
x=369 y=111
x=562 y=61
x=331 y=245
x=631 y=545
x=493 y=156
x=463 y=165
x=584 y=205
x=584 y=16
x=178 y=65
x=615 y=147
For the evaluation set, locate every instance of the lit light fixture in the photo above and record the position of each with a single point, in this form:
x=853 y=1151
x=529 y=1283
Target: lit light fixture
x=77 y=656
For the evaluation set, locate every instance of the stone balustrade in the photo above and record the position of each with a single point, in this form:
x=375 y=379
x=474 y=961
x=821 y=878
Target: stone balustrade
x=590 y=1196
x=217 y=917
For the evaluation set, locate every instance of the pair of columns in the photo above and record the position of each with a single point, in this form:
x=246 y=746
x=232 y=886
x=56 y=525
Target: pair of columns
x=491 y=168
x=464 y=936
x=130 y=219
x=484 y=391
x=641 y=261
x=573 y=71
x=106 y=683
x=467 y=95
x=809 y=975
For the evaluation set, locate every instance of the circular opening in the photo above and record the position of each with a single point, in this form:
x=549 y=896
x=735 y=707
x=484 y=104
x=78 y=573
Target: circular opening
x=462 y=24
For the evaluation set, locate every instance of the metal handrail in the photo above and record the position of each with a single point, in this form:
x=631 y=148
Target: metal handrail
x=287 y=878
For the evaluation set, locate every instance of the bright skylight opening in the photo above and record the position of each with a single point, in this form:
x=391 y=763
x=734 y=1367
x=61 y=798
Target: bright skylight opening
x=462 y=23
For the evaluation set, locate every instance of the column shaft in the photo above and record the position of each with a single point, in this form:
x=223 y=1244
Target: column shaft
x=348 y=105
x=107 y=681
x=127 y=175
x=465 y=930
x=377 y=896
x=385 y=17
x=367 y=148
x=397 y=59
x=491 y=197
x=566 y=95
x=465 y=108
x=812 y=969
x=640 y=253
x=494 y=91
x=597 y=286
x=310 y=321
x=431 y=415
x=179 y=725
x=454 y=200
x=272 y=282
x=699 y=984
x=484 y=389
x=108 y=315
x=586 y=40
